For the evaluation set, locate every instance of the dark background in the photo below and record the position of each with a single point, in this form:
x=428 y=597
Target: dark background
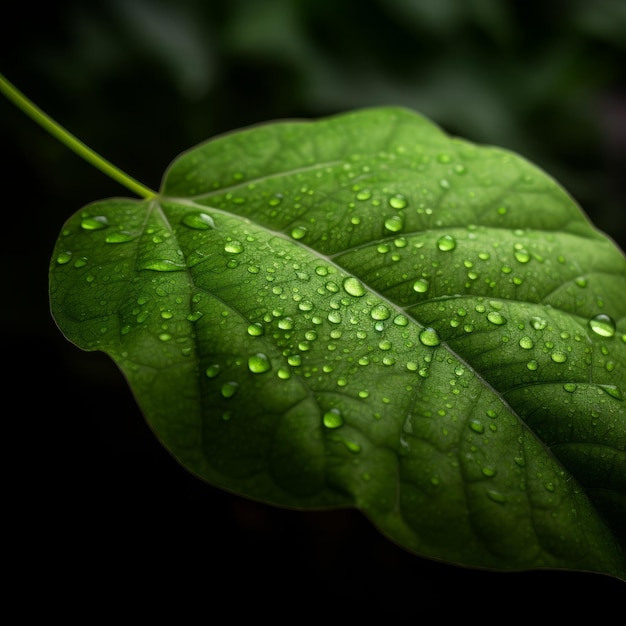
x=100 y=516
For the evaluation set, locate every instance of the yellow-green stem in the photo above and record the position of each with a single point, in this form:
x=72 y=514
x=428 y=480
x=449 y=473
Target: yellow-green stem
x=74 y=144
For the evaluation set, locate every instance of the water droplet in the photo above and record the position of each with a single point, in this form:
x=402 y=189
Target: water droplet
x=259 y=363
x=538 y=323
x=570 y=387
x=429 y=337
x=286 y=323
x=477 y=426
x=364 y=194
x=352 y=446
x=398 y=202
x=255 y=330
x=353 y=286
x=332 y=419
x=64 y=257
x=495 y=496
x=229 y=389
x=334 y=317
x=522 y=256
x=298 y=232
x=559 y=357
x=496 y=318
x=420 y=285
x=394 y=223
x=380 y=312
x=119 y=237
x=283 y=373
x=162 y=265
x=213 y=370
x=526 y=343
x=234 y=247
x=97 y=222
x=612 y=390
x=602 y=325
x=198 y=221
x=294 y=360
x=532 y=365
x=446 y=243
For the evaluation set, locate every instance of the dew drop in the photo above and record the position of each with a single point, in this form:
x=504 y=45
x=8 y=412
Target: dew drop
x=394 y=223
x=162 y=265
x=398 y=202
x=352 y=446
x=229 y=389
x=420 y=285
x=429 y=337
x=198 y=221
x=612 y=390
x=119 y=237
x=353 y=286
x=64 y=257
x=570 y=387
x=259 y=363
x=488 y=471
x=446 y=243
x=496 y=318
x=559 y=357
x=602 y=325
x=275 y=200
x=284 y=373
x=526 y=343
x=495 y=496
x=234 y=247
x=213 y=370
x=286 y=323
x=332 y=419
x=522 y=256
x=298 y=232
x=334 y=317
x=401 y=320
x=94 y=223
x=538 y=323
x=532 y=365
x=380 y=312
x=477 y=426
x=255 y=330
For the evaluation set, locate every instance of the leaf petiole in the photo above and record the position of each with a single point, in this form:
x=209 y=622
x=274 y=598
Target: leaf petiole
x=86 y=153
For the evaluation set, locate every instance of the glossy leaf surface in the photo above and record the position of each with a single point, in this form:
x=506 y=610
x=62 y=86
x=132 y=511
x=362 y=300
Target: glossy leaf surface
x=362 y=311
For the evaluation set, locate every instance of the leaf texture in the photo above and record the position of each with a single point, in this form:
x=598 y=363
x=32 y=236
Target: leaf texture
x=363 y=311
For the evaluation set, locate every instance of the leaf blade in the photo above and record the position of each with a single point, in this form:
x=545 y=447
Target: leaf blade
x=351 y=245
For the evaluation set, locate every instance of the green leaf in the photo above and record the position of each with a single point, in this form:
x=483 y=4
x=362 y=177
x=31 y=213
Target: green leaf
x=362 y=311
